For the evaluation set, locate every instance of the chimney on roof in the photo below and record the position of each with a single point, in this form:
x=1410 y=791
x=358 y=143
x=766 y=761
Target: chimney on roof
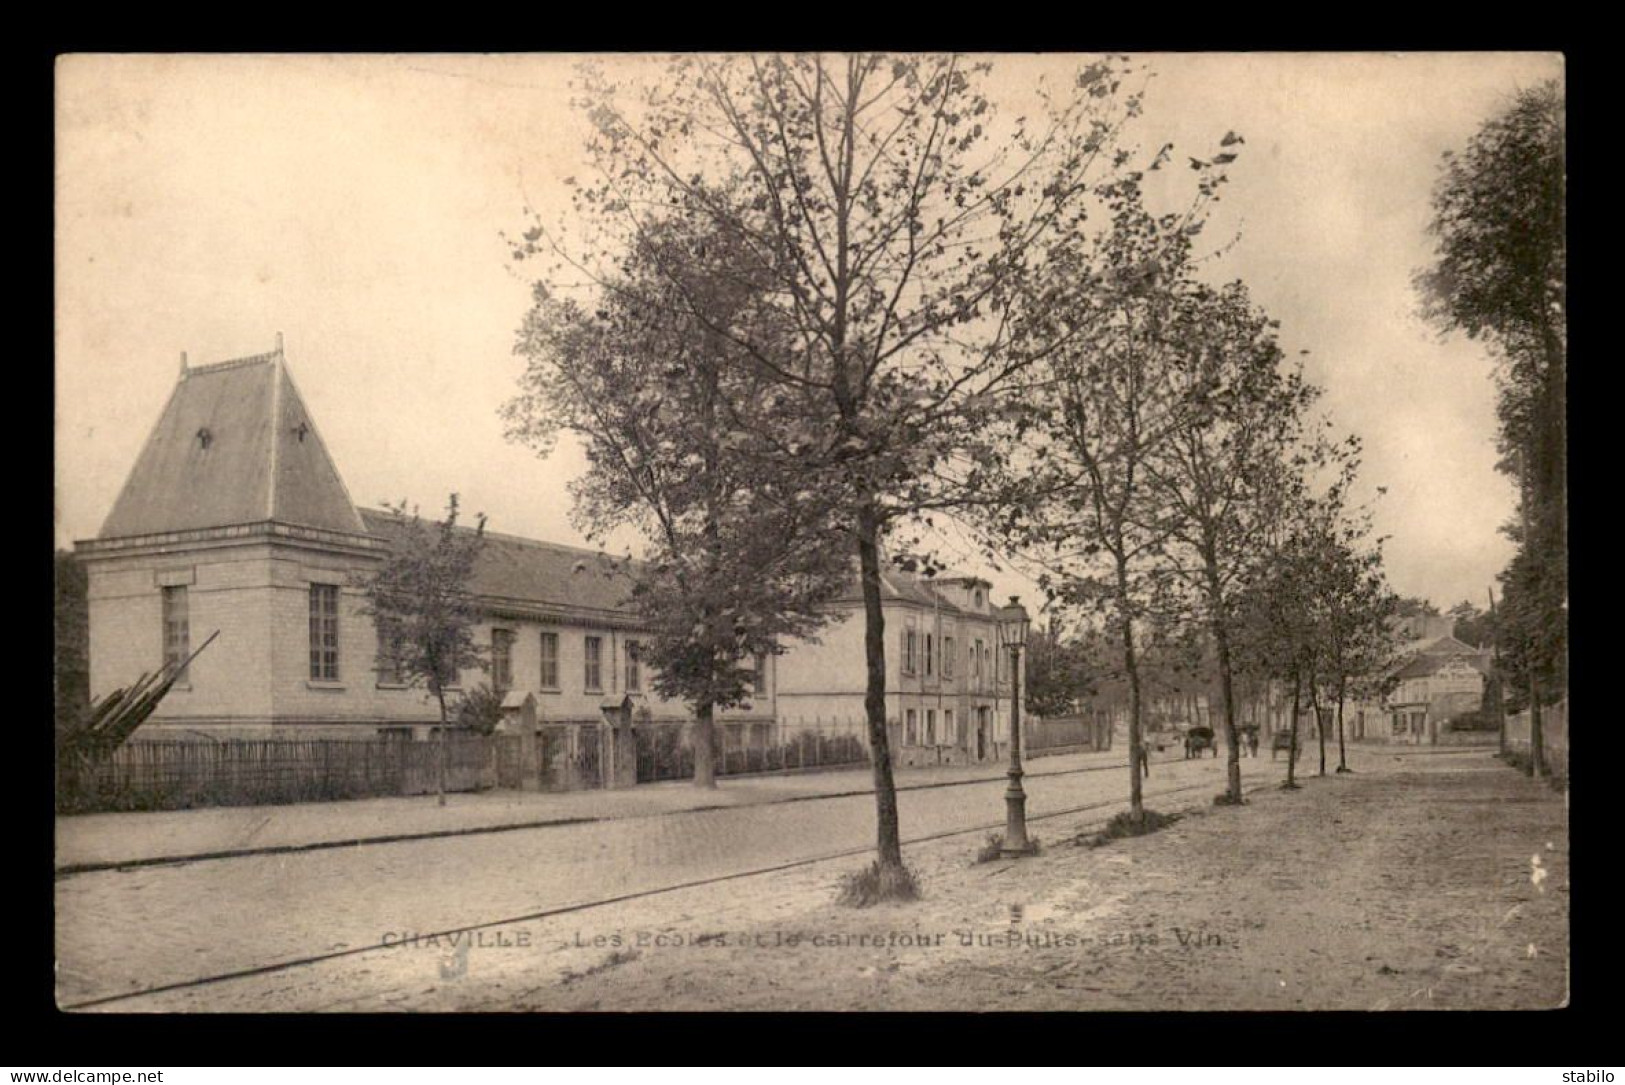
x=279 y=342
x=183 y=365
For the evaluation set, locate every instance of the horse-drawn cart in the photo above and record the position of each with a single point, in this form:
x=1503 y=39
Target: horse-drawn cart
x=1198 y=739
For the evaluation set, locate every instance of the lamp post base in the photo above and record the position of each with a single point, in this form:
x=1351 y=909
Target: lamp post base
x=1016 y=843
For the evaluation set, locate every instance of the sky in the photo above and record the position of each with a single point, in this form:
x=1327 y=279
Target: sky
x=356 y=204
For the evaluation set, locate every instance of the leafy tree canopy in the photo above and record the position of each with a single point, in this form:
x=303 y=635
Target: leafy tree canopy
x=421 y=599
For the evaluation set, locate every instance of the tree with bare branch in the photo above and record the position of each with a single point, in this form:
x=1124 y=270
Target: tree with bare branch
x=891 y=215
x=1223 y=473
x=1103 y=405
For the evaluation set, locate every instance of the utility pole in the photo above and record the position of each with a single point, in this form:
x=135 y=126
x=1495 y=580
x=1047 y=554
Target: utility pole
x=1495 y=646
x=1537 y=758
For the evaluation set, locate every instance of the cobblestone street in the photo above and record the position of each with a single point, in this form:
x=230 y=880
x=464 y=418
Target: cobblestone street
x=127 y=930
x=122 y=838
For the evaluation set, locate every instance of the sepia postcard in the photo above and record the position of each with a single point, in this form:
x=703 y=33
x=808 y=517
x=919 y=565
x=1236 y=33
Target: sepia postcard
x=809 y=532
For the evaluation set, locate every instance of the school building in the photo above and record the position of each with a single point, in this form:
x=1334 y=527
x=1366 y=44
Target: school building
x=235 y=519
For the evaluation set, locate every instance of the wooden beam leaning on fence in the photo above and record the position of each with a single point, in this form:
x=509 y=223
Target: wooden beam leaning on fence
x=113 y=718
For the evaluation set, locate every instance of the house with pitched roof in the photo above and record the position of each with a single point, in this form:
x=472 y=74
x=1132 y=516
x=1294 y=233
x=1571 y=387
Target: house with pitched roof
x=1435 y=679
x=235 y=518
x=947 y=670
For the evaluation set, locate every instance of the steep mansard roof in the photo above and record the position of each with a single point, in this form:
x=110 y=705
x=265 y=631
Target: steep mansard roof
x=234 y=445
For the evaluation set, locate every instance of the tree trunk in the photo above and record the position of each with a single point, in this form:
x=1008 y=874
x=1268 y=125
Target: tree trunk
x=1537 y=751
x=1221 y=638
x=1552 y=441
x=1226 y=684
x=705 y=769
x=1342 y=748
x=1495 y=685
x=1292 y=749
x=1500 y=712
x=889 y=842
x=1139 y=763
x=1320 y=729
x=440 y=751
x=705 y=773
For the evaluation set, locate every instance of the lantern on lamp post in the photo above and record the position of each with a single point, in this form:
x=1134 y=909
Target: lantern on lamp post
x=1014 y=626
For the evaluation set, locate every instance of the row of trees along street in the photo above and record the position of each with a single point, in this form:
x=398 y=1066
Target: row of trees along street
x=1500 y=278
x=805 y=306
x=1178 y=479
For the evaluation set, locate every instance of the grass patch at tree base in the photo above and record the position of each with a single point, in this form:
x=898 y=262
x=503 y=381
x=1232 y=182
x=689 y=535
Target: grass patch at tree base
x=994 y=849
x=1345 y=768
x=1227 y=799
x=1127 y=824
x=1291 y=785
x=875 y=884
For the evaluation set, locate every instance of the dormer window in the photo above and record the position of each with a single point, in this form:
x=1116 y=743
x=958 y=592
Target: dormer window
x=978 y=598
x=300 y=430
x=204 y=438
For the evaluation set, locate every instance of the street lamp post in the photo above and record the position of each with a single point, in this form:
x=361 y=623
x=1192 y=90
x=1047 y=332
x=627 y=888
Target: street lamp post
x=1014 y=626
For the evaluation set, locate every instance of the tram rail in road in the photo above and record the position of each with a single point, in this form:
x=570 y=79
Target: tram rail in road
x=70 y=869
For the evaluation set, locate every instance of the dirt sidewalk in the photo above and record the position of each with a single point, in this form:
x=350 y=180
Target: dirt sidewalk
x=1412 y=889
x=1416 y=889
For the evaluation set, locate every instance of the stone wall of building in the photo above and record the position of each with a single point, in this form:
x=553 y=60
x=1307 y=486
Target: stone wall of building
x=225 y=591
